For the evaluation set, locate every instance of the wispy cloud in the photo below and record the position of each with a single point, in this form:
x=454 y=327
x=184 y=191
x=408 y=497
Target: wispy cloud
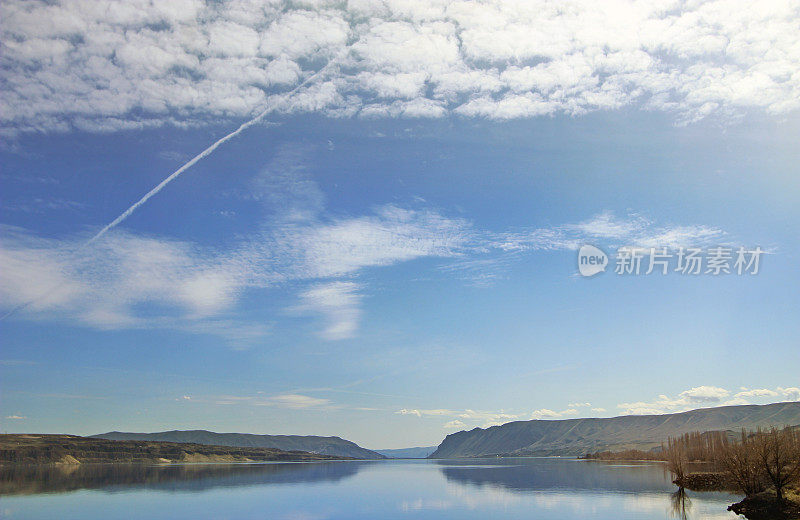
x=286 y=187
x=43 y=205
x=104 y=285
x=633 y=230
x=498 y=251
x=16 y=362
x=339 y=304
x=291 y=401
x=295 y=401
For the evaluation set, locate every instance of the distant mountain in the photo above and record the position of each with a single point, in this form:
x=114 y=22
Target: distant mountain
x=28 y=448
x=408 y=453
x=322 y=445
x=579 y=436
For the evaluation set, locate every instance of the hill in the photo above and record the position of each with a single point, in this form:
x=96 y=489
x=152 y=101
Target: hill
x=333 y=446
x=571 y=437
x=408 y=453
x=72 y=449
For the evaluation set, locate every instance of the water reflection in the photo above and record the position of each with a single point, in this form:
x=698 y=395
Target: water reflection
x=530 y=489
x=23 y=480
x=520 y=474
x=681 y=505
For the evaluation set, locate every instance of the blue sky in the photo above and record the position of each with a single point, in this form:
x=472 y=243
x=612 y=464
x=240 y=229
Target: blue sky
x=395 y=264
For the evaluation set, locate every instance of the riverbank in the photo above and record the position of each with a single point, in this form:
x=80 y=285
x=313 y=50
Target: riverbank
x=72 y=449
x=763 y=506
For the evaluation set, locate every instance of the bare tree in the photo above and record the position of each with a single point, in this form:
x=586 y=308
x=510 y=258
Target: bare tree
x=676 y=459
x=778 y=452
x=740 y=460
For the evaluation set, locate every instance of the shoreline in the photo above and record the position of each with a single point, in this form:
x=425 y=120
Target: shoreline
x=72 y=450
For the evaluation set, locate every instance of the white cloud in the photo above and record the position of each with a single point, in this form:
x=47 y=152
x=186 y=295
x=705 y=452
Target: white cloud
x=790 y=394
x=705 y=396
x=607 y=228
x=392 y=235
x=484 y=418
x=16 y=417
x=339 y=303
x=426 y=413
x=546 y=413
x=693 y=398
x=607 y=225
x=287 y=400
x=406 y=411
x=196 y=289
x=305 y=34
x=696 y=397
x=107 y=283
x=736 y=401
x=296 y=401
x=103 y=67
x=756 y=392
x=488 y=418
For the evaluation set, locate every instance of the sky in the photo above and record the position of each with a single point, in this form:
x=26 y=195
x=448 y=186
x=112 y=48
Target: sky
x=387 y=251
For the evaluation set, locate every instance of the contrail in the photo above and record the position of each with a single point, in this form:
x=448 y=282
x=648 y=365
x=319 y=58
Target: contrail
x=208 y=151
x=205 y=153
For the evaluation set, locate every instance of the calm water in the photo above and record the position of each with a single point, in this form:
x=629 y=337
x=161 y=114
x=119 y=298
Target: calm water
x=508 y=488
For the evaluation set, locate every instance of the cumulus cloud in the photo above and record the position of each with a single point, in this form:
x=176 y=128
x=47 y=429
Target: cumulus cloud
x=546 y=413
x=790 y=394
x=486 y=419
x=703 y=396
x=756 y=392
x=103 y=67
x=427 y=413
x=706 y=396
x=693 y=398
